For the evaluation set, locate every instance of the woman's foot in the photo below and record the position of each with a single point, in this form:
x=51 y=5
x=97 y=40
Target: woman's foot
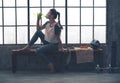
x=26 y=48
x=51 y=67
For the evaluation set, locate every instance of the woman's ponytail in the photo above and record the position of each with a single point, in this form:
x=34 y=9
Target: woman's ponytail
x=59 y=20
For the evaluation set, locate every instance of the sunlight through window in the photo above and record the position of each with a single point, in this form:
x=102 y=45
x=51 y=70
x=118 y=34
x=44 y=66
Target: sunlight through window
x=82 y=20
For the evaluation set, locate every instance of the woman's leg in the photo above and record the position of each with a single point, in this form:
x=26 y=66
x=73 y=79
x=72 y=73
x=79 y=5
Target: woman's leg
x=44 y=50
x=38 y=34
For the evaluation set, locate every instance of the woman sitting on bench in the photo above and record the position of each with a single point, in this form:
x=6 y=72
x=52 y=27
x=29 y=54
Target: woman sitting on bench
x=51 y=39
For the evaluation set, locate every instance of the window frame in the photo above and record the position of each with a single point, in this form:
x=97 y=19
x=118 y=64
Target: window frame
x=66 y=25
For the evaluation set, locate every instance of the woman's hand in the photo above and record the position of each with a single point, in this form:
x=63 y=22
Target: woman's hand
x=38 y=19
x=39 y=15
x=62 y=49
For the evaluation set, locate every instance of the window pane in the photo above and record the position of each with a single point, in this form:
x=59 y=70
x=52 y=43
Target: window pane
x=0 y=16
x=73 y=16
x=35 y=2
x=86 y=34
x=9 y=16
x=86 y=16
x=86 y=2
x=9 y=35
x=22 y=34
x=73 y=34
x=73 y=2
x=0 y=3
x=22 y=16
x=100 y=33
x=63 y=35
x=33 y=15
x=62 y=15
x=100 y=16
x=9 y=2
x=59 y=2
x=100 y=2
x=22 y=2
x=1 y=36
x=47 y=2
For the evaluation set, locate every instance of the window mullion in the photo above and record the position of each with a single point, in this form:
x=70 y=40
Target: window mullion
x=80 y=22
x=93 y=20
x=3 y=19
x=66 y=23
x=28 y=7
x=16 y=21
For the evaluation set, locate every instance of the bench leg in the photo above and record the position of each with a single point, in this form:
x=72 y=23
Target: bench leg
x=13 y=63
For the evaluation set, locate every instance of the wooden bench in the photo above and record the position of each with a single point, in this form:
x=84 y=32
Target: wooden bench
x=56 y=55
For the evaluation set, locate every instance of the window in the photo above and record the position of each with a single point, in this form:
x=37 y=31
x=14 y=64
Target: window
x=82 y=20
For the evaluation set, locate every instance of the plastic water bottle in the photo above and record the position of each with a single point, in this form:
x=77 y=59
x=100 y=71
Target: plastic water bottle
x=98 y=68
x=110 y=68
x=41 y=15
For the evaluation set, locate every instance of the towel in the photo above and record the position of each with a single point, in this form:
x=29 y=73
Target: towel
x=83 y=55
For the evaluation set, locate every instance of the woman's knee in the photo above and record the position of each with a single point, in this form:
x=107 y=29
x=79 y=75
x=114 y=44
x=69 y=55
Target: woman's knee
x=38 y=32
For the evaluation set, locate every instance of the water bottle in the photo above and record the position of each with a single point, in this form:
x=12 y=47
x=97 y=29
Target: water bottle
x=110 y=68
x=41 y=15
x=98 y=68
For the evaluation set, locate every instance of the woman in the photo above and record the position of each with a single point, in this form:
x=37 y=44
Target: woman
x=51 y=39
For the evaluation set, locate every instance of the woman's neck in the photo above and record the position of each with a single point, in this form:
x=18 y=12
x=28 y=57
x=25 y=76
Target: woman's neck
x=52 y=22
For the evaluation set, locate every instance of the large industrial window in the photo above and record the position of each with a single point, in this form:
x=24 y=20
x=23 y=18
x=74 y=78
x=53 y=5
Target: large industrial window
x=82 y=20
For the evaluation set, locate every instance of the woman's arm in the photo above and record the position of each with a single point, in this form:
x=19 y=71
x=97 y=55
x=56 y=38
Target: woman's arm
x=38 y=26
x=60 y=43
